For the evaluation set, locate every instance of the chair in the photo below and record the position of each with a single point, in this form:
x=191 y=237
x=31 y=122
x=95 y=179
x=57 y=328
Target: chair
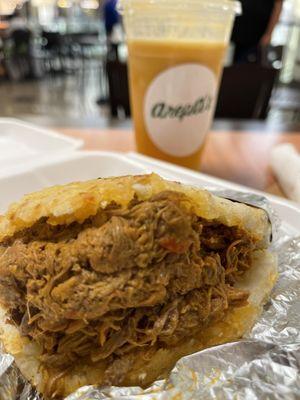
x=245 y=91
x=52 y=49
x=17 y=55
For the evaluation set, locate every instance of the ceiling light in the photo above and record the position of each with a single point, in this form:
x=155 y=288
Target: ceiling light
x=7 y=7
x=64 y=4
x=89 y=4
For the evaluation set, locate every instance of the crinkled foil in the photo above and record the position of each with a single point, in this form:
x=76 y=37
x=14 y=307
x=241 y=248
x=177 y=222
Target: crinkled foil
x=265 y=364
x=12 y=385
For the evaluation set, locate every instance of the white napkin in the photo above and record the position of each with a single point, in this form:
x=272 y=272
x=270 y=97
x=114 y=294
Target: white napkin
x=285 y=162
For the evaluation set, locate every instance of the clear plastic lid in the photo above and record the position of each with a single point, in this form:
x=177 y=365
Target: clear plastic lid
x=181 y=20
x=132 y=6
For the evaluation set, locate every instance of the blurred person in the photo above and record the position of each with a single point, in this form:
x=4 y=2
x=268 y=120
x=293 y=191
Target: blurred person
x=253 y=29
x=112 y=17
x=17 y=47
x=115 y=37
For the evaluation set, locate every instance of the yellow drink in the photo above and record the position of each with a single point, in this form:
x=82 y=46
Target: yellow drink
x=176 y=50
x=149 y=58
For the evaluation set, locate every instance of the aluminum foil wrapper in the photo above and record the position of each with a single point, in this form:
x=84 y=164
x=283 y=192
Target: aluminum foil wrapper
x=265 y=364
x=12 y=385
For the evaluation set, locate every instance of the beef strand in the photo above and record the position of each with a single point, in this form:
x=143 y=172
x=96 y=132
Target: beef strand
x=146 y=276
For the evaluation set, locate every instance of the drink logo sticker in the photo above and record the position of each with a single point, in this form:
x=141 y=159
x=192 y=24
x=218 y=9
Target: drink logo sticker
x=179 y=106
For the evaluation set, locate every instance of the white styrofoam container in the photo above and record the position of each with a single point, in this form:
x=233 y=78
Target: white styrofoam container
x=65 y=168
x=79 y=166
x=22 y=143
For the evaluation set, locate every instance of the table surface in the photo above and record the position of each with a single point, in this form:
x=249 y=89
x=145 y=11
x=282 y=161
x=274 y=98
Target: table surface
x=240 y=157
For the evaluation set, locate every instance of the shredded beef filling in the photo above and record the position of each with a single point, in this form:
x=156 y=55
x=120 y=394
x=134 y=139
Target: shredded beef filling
x=146 y=276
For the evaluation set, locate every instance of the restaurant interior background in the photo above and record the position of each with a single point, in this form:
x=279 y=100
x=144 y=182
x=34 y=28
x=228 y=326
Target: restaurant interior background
x=57 y=68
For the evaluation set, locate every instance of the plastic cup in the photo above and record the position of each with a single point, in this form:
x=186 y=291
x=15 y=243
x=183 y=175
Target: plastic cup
x=176 y=50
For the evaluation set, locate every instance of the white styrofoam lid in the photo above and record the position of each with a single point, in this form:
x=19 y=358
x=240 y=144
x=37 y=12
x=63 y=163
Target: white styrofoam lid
x=76 y=166
x=21 y=142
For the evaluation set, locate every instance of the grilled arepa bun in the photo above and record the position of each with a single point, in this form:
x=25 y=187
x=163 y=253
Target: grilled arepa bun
x=111 y=281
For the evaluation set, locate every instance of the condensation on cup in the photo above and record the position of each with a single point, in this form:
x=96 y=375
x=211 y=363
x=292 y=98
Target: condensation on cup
x=176 y=50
